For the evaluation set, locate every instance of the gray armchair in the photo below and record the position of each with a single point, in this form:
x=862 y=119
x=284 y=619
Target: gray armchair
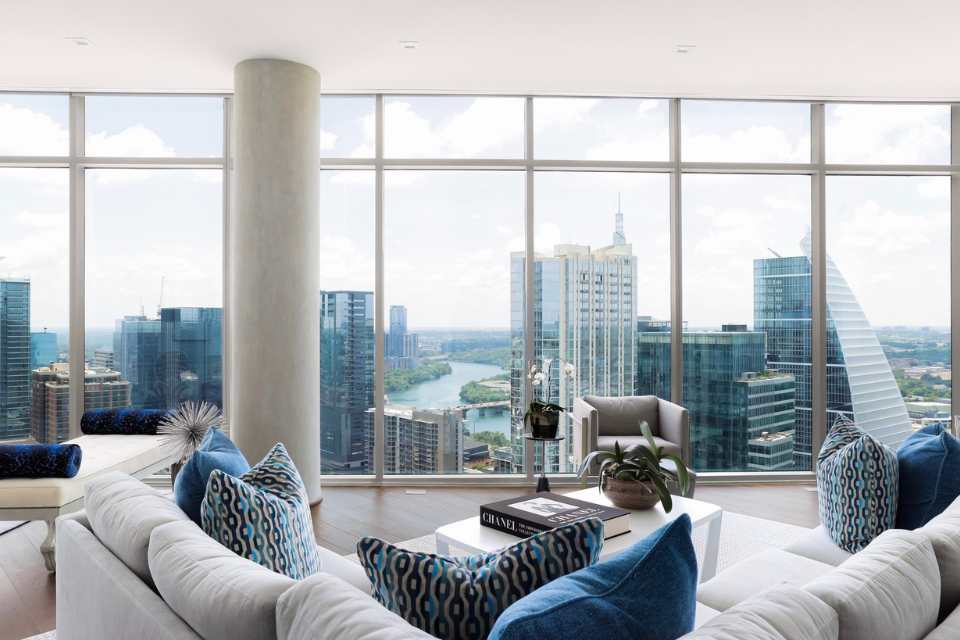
x=599 y=421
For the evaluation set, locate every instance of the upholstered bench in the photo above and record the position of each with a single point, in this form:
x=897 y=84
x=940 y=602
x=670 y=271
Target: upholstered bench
x=47 y=498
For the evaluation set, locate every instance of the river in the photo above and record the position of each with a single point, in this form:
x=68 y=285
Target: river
x=445 y=392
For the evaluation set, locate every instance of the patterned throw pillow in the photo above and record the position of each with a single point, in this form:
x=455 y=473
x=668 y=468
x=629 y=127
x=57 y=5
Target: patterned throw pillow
x=857 y=482
x=263 y=515
x=461 y=598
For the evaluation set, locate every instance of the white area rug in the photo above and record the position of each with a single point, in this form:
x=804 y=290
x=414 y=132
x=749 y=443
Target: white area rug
x=740 y=537
x=49 y=635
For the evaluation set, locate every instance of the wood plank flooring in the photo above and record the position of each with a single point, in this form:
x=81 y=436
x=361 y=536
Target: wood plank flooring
x=27 y=591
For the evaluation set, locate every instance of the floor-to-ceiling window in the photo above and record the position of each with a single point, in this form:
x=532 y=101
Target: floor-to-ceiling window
x=111 y=210
x=683 y=248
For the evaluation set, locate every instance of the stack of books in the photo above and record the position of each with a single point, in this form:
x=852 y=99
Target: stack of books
x=529 y=515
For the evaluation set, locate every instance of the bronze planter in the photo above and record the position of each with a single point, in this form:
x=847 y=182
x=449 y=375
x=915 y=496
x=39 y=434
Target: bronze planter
x=630 y=494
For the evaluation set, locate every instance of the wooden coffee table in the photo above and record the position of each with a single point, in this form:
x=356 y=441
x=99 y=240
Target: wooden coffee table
x=469 y=534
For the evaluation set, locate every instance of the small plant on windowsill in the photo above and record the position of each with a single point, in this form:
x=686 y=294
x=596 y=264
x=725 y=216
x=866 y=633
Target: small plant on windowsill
x=634 y=478
x=543 y=418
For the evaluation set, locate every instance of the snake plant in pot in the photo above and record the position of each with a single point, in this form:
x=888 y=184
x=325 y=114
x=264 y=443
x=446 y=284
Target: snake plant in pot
x=634 y=477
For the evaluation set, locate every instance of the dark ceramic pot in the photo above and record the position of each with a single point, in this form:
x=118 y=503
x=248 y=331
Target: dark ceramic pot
x=544 y=425
x=630 y=494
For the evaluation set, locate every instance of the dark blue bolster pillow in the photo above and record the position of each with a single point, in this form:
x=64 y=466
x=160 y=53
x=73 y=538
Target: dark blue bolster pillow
x=127 y=422
x=39 y=460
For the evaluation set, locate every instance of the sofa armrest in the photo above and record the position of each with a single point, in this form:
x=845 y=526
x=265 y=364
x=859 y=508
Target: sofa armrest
x=324 y=607
x=586 y=422
x=675 y=426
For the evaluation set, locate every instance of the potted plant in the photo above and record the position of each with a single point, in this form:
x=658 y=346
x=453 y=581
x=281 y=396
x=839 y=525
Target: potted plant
x=634 y=478
x=543 y=418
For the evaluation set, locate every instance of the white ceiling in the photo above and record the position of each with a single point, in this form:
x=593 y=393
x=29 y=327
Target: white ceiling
x=884 y=49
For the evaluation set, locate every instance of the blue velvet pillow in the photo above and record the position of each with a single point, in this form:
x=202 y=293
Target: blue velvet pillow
x=39 y=460
x=647 y=592
x=929 y=462
x=127 y=422
x=461 y=598
x=216 y=451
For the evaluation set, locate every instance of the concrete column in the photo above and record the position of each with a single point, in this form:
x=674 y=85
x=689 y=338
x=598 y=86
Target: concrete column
x=273 y=233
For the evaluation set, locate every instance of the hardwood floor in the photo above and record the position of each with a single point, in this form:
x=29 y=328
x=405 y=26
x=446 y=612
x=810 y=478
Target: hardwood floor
x=27 y=591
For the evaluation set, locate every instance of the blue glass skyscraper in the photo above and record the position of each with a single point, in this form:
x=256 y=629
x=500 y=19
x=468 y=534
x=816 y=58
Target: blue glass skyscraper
x=191 y=355
x=346 y=379
x=43 y=348
x=136 y=352
x=14 y=359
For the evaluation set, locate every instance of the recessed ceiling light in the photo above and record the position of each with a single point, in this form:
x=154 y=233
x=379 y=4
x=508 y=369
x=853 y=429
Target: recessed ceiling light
x=684 y=48
x=409 y=44
x=80 y=41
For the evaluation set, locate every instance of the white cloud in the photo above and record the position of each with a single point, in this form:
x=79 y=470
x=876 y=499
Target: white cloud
x=888 y=134
x=137 y=141
x=553 y=112
x=27 y=132
x=328 y=140
x=752 y=144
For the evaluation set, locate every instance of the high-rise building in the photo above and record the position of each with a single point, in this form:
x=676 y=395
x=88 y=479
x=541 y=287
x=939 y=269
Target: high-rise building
x=43 y=348
x=136 y=353
x=860 y=383
x=427 y=441
x=14 y=359
x=103 y=358
x=346 y=379
x=771 y=452
x=731 y=397
x=398 y=329
x=191 y=355
x=585 y=314
x=49 y=422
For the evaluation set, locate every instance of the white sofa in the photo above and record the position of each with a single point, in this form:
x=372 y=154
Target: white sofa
x=134 y=566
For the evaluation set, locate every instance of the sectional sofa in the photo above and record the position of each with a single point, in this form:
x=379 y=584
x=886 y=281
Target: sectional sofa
x=132 y=565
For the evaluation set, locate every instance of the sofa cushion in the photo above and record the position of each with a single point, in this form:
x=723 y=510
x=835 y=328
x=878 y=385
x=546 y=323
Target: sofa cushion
x=123 y=512
x=216 y=451
x=857 y=483
x=943 y=532
x=949 y=629
x=756 y=574
x=621 y=416
x=219 y=594
x=461 y=598
x=888 y=591
x=782 y=613
x=703 y=614
x=646 y=591
x=323 y=607
x=264 y=515
x=929 y=461
x=818 y=546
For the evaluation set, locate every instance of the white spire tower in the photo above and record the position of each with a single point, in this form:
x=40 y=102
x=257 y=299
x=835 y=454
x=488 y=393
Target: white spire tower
x=618 y=237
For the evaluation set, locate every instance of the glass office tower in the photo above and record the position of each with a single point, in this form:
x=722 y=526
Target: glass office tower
x=14 y=359
x=585 y=312
x=860 y=383
x=43 y=348
x=346 y=379
x=731 y=396
x=191 y=355
x=136 y=352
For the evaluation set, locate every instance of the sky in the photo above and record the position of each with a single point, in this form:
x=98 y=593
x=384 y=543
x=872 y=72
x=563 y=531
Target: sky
x=448 y=235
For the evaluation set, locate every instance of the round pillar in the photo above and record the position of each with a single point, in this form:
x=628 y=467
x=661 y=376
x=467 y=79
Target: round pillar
x=273 y=245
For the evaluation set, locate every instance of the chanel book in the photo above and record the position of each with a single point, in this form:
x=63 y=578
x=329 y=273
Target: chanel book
x=529 y=515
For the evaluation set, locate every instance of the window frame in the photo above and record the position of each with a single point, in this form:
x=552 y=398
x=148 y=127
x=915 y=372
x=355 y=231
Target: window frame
x=77 y=162
x=817 y=169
